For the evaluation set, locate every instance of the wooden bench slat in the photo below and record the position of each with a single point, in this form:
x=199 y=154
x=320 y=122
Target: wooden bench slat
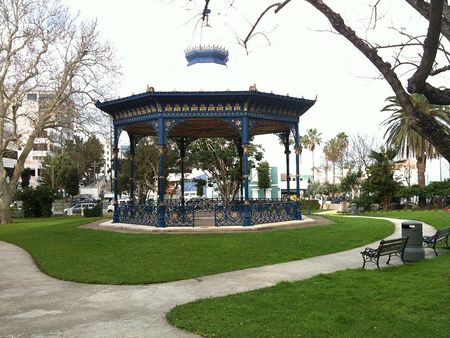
x=440 y=235
x=387 y=247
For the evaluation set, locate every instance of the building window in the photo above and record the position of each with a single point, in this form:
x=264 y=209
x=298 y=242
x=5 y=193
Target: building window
x=10 y=154
x=32 y=97
x=40 y=146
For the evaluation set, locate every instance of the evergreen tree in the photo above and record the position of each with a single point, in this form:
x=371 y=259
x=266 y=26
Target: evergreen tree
x=72 y=181
x=264 y=176
x=25 y=177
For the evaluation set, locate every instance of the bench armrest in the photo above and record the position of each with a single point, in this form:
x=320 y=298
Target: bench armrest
x=369 y=252
x=429 y=239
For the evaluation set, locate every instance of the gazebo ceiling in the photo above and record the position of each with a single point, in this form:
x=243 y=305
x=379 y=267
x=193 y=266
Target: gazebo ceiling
x=207 y=128
x=206 y=114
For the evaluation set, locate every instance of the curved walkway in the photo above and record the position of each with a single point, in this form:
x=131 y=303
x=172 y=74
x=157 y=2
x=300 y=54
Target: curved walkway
x=34 y=304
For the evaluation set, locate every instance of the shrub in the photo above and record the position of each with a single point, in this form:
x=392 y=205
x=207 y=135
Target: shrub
x=94 y=212
x=37 y=202
x=309 y=205
x=365 y=201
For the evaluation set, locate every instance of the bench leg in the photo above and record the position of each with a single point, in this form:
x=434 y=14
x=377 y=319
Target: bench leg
x=389 y=259
x=378 y=259
x=434 y=249
x=401 y=257
x=364 y=261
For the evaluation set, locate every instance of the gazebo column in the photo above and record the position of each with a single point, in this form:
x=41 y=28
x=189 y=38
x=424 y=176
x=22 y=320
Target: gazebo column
x=161 y=177
x=245 y=150
x=298 y=151
x=132 y=152
x=182 y=146
x=116 y=174
x=241 y=191
x=287 y=152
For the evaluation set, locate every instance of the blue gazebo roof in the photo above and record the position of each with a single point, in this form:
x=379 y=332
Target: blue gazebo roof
x=203 y=112
x=206 y=54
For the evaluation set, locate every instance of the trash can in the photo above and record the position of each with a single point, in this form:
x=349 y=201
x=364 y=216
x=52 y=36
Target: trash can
x=414 y=250
x=354 y=209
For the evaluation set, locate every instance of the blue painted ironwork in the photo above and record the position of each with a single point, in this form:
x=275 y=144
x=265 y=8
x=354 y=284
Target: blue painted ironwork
x=143 y=214
x=206 y=54
x=117 y=132
x=245 y=136
x=249 y=113
x=261 y=212
x=287 y=153
x=161 y=177
x=217 y=103
x=298 y=149
x=133 y=141
x=228 y=215
x=273 y=212
x=180 y=216
x=204 y=204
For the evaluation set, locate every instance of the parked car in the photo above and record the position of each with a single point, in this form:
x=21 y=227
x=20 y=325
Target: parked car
x=77 y=208
x=188 y=195
x=122 y=201
x=85 y=198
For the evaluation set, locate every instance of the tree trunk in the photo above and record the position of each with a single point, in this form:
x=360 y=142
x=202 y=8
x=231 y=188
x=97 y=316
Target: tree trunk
x=312 y=152
x=421 y=167
x=334 y=172
x=5 y=199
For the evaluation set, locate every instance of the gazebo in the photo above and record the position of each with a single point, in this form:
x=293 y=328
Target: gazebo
x=186 y=116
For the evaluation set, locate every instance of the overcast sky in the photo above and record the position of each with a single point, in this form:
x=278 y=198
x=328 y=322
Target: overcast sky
x=303 y=58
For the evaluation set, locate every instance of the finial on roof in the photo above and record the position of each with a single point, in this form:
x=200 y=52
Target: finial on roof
x=253 y=88
x=150 y=89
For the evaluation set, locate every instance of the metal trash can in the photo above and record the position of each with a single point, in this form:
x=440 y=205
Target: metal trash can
x=353 y=209
x=414 y=250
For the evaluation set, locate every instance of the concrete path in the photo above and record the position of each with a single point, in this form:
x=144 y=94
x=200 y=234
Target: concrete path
x=34 y=304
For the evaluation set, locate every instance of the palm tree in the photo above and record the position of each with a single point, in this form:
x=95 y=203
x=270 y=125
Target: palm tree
x=332 y=153
x=310 y=141
x=411 y=144
x=342 y=144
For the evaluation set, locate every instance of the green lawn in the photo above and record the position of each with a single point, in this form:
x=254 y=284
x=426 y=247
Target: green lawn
x=65 y=251
x=439 y=219
x=410 y=301
x=405 y=301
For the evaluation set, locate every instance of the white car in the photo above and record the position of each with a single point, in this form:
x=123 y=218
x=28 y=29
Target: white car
x=77 y=208
x=121 y=201
x=188 y=195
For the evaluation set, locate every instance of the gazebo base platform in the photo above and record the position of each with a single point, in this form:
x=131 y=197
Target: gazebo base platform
x=124 y=227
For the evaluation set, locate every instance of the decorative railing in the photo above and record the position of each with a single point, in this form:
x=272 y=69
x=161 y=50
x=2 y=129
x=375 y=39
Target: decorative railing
x=181 y=216
x=226 y=215
x=273 y=212
x=143 y=214
x=232 y=214
x=204 y=204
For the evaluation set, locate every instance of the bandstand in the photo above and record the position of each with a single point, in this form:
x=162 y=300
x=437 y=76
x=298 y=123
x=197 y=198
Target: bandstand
x=186 y=116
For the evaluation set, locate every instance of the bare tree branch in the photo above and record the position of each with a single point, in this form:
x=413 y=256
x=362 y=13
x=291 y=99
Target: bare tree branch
x=416 y=83
x=427 y=126
x=278 y=6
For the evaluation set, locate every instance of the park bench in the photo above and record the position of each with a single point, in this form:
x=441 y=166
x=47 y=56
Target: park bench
x=440 y=235
x=391 y=247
